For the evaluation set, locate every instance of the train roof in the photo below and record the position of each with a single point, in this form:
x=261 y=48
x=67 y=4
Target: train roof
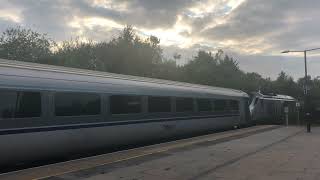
x=17 y=74
x=275 y=97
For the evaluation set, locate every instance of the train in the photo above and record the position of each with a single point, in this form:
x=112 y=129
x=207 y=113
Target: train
x=269 y=108
x=50 y=111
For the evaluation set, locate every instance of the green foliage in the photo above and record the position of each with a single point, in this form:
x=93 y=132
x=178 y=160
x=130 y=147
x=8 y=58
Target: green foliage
x=75 y=53
x=285 y=84
x=126 y=54
x=129 y=54
x=24 y=45
x=202 y=69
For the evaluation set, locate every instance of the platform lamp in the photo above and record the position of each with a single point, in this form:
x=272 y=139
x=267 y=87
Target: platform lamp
x=305 y=89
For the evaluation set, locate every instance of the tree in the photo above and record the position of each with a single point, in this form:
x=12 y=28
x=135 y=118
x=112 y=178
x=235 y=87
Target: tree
x=201 y=69
x=169 y=70
x=77 y=54
x=285 y=84
x=25 y=45
x=230 y=74
x=130 y=54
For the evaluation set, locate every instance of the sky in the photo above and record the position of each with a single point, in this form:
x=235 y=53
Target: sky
x=254 y=32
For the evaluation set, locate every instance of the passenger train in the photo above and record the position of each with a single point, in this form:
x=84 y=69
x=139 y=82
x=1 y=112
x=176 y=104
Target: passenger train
x=49 y=111
x=270 y=108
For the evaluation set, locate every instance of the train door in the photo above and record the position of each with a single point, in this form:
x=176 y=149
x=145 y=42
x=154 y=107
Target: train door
x=278 y=115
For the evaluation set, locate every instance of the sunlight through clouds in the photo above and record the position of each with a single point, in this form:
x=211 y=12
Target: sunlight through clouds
x=91 y=23
x=173 y=36
x=110 y=4
x=250 y=28
x=11 y=15
x=182 y=33
x=234 y=3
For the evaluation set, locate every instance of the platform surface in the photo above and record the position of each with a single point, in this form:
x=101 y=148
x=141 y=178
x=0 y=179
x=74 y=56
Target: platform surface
x=283 y=153
x=248 y=154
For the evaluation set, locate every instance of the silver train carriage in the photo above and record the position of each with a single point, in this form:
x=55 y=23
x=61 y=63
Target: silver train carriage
x=269 y=109
x=49 y=111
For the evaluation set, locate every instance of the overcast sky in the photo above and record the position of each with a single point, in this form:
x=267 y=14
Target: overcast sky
x=254 y=32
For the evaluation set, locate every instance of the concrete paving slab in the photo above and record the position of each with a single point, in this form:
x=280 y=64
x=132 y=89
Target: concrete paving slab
x=107 y=163
x=295 y=158
x=265 y=155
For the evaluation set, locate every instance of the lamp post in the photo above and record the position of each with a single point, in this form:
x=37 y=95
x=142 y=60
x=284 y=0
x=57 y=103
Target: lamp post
x=306 y=105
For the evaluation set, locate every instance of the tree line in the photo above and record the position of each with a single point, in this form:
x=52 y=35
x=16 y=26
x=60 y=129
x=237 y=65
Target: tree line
x=132 y=55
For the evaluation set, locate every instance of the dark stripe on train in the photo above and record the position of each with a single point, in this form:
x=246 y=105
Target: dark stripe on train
x=81 y=126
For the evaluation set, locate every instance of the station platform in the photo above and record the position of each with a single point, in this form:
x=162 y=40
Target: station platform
x=254 y=153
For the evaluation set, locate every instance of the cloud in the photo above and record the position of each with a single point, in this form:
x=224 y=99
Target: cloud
x=272 y=65
x=140 y=13
x=275 y=24
x=254 y=31
x=155 y=13
x=45 y=16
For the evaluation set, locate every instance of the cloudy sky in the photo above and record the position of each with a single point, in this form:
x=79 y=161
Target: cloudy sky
x=254 y=32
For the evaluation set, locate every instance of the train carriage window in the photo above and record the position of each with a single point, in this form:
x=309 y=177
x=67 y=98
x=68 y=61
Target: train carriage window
x=159 y=104
x=77 y=104
x=29 y=104
x=18 y=104
x=234 y=105
x=220 y=105
x=7 y=104
x=204 y=105
x=125 y=104
x=184 y=104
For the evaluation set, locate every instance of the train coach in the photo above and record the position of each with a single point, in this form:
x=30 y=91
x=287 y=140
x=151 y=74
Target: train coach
x=270 y=108
x=49 y=111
